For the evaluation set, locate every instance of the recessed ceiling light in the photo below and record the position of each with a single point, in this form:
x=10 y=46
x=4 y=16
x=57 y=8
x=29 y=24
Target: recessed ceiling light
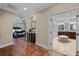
x=20 y=21
x=25 y=8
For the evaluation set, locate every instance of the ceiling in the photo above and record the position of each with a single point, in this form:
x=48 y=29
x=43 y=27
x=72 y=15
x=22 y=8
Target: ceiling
x=31 y=8
x=2 y=12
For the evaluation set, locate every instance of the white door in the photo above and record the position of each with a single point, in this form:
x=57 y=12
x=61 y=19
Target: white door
x=50 y=32
x=77 y=33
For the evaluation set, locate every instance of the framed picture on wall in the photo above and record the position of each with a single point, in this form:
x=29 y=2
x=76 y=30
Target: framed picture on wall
x=61 y=26
x=73 y=26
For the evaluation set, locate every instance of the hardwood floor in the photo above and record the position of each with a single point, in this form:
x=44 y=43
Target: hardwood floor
x=22 y=47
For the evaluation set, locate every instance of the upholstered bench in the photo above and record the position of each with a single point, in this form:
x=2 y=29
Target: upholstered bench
x=63 y=38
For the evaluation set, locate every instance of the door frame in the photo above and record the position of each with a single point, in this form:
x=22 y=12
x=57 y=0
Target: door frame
x=55 y=13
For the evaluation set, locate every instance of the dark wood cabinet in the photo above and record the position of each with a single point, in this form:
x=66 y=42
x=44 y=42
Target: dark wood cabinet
x=31 y=37
x=71 y=35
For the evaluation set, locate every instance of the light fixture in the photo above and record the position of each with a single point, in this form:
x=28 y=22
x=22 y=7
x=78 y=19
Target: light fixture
x=25 y=8
x=20 y=21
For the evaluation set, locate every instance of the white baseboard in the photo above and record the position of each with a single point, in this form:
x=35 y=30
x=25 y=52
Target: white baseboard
x=5 y=45
x=42 y=46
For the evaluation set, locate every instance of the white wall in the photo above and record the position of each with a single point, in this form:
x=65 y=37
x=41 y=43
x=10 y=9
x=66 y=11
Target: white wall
x=28 y=23
x=6 y=25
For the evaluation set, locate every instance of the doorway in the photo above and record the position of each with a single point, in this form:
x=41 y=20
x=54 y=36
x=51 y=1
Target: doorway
x=19 y=28
x=62 y=32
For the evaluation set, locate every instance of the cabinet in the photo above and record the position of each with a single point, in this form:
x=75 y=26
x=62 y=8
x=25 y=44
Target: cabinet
x=71 y=35
x=31 y=37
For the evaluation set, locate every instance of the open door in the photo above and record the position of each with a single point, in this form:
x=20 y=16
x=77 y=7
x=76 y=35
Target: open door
x=77 y=34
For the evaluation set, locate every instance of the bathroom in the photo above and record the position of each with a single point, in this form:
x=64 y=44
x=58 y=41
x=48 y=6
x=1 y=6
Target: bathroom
x=62 y=32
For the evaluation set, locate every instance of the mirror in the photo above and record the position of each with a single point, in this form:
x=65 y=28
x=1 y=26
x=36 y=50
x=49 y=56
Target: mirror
x=61 y=26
